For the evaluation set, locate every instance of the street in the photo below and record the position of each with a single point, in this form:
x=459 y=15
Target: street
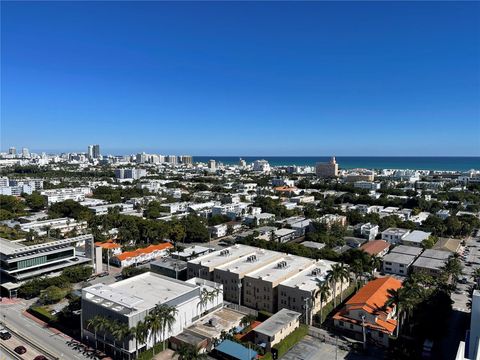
x=12 y=315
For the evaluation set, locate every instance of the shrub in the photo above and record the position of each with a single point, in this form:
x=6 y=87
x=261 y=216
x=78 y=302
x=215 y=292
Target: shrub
x=286 y=344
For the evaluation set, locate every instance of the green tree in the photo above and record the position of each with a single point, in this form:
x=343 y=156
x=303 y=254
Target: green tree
x=35 y=201
x=323 y=291
x=52 y=294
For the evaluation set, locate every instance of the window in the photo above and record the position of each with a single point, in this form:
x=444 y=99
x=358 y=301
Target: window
x=380 y=335
x=341 y=323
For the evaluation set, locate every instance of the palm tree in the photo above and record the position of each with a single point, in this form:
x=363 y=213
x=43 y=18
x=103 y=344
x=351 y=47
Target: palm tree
x=155 y=324
x=247 y=320
x=335 y=274
x=476 y=275
x=396 y=299
x=169 y=318
x=120 y=331
x=189 y=352
x=323 y=290
x=104 y=326
x=94 y=323
x=343 y=274
x=139 y=333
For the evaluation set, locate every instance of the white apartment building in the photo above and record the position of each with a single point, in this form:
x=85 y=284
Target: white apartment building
x=103 y=209
x=367 y=185
x=58 y=195
x=261 y=166
x=394 y=235
x=64 y=225
x=219 y=230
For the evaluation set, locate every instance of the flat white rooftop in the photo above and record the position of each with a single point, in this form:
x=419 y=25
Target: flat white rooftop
x=138 y=293
x=224 y=256
x=282 y=268
x=277 y=322
x=259 y=259
x=307 y=279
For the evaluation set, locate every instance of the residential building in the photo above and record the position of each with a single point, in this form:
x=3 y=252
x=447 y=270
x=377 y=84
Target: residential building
x=299 y=292
x=470 y=348
x=285 y=235
x=191 y=252
x=186 y=159
x=368 y=231
x=261 y=166
x=313 y=245
x=103 y=209
x=330 y=219
x=327 y=170
x=130 y=301
x=415 y=238
x=261 y=286
x=212 y=165
x=367 y=185
x=62 y=194
x=399 y=260
x=63 y=225
x=130 y=174
x=394 y=235
x=431 y=262
x=364 y=313
x=276 y=328
x=377 y=248
x=140 y=256
x=219 y=230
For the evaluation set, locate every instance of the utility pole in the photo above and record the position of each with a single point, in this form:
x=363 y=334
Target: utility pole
x=239 y=294
x=364 y=333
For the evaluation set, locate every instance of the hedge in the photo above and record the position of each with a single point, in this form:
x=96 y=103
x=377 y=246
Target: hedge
x=42 y=313
x=148 y=354
x=286 y=344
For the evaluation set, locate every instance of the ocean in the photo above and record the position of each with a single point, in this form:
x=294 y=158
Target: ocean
x=369 y=162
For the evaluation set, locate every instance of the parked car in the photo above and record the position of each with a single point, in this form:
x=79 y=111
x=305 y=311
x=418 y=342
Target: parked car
x=20 y=349
x=75 y=259
x=40 y=357
x=5 y=335
x=103 y=274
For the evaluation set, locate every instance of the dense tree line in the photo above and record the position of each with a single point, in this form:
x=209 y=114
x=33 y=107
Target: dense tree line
x=117 y=194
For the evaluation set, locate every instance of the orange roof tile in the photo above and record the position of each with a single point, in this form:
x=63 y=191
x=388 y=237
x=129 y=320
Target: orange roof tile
x=371 y=298
x=285 y=188
x=147 y=250
x=109 y=244
x=375 y=247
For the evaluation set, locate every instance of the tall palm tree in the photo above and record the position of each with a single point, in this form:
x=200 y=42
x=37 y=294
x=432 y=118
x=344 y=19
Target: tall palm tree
x=104 y=326
x=155 y=324
x=169 y=318
x=120 y=332
x=343 y=274
x=333 y=276
x=323 y=290
x=94 y=324
x=139 y=333
x=396 y=299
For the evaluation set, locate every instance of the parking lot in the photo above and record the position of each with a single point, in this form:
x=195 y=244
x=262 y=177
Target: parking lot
x=470 y=257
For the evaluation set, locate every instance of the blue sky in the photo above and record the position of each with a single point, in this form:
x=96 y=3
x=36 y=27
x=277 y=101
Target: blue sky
x=212 y=78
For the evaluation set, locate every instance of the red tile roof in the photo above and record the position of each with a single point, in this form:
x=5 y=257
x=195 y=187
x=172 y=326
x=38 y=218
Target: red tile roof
x=375 y=247
x=147 y=250
x=371 y=298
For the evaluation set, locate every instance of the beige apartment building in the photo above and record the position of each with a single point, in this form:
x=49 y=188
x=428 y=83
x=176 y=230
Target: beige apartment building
x=261 y=286
x=203 y=266
x=328 y=169
x=231 y=274
x=299 y=292
x=276 y=328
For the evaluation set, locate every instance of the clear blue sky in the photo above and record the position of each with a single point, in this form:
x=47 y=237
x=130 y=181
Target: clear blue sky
x=373 y=78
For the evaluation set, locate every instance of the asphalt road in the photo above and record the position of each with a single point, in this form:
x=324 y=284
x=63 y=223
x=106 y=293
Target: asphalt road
x=56 y=344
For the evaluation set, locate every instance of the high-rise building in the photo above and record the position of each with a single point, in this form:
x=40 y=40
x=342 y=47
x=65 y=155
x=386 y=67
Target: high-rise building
x=242 y=163
x=12 y=151
x=212 y=165
x=90 y=151
x=25 y=153
x=327 y=170
x=186 y=159
x=171 y=159
x=96 y=151
x=261 y=166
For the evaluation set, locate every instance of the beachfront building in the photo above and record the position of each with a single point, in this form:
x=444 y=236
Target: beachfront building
x=327 y=169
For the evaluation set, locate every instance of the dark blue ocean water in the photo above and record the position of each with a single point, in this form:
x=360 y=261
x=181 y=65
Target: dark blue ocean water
x=369 y=162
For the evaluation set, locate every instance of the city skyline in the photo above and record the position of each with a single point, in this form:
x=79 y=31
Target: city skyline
x=251 y=79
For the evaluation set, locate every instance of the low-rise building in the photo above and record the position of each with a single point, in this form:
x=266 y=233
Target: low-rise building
x=394 y=235
x=368 y=231
x=415 y=238
x=130 y=301
x=365 y=311
x=431 y=262
x=219 y=230
x=377 y=248
x=140 y=256
x=276 y=328
x=285 y=235
x=173 y=268
x=58 y=195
